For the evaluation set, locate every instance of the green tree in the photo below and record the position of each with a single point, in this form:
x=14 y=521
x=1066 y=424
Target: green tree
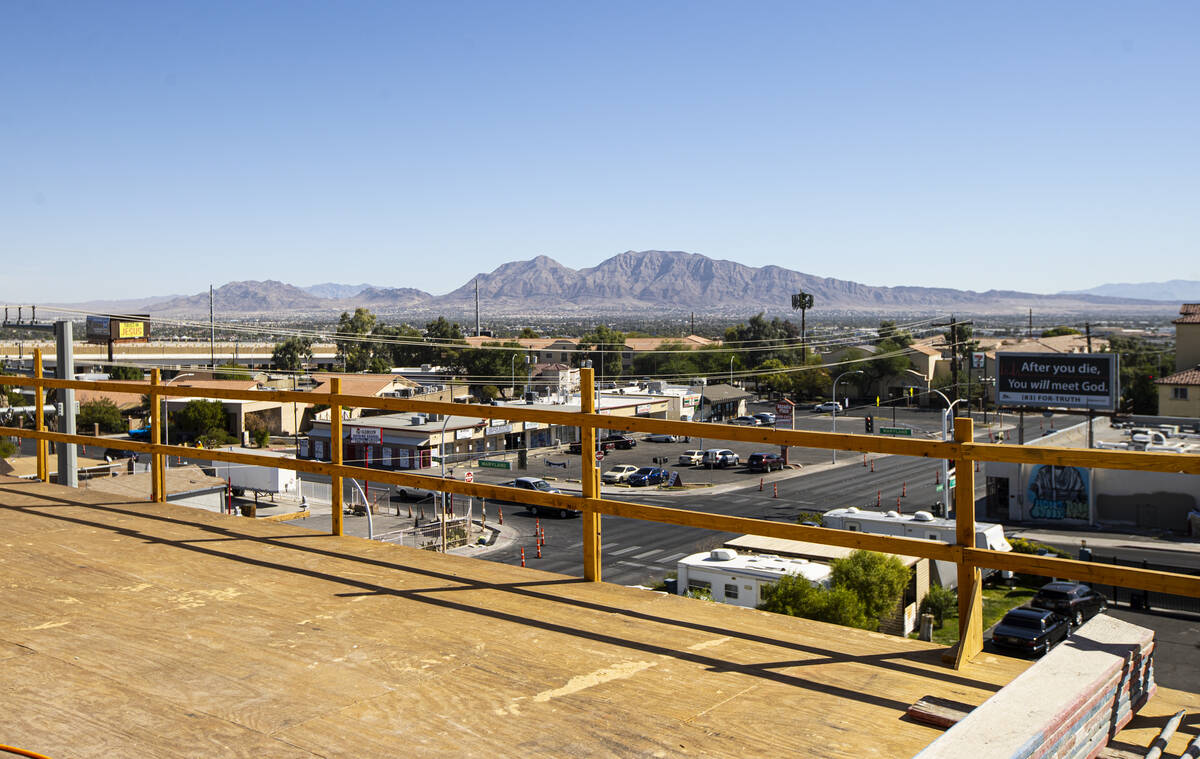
x=772 y=376
x=764 y=339
x=487 y=366
x=1057 y=331
x=813 y=381
x=671 y=359
x=878 y=580
x=939 y=601
x=200 y=419
x=603 y=347
x=1140 y=365
x=125 y=373
x=527 y=333
x=291 y=353
x=865 y=586
x=401 y=345
x=8 y=448
x=442 y=333
x=356 y=353
x=888 y=331
x=103 y=412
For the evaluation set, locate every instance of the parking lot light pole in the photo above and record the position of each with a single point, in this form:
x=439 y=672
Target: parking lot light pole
x=167 y=418
x=835 y=403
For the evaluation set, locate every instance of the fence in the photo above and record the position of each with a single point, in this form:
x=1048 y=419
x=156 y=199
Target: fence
x=1138 y=598
x=963 y=449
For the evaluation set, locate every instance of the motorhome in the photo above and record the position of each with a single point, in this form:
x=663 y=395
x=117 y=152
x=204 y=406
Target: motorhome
x=919 y=524
x=739 y=579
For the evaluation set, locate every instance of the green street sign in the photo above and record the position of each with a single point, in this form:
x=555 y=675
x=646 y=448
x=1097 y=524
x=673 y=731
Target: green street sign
x=494 y=464
x=939 y=488
x=902 y=431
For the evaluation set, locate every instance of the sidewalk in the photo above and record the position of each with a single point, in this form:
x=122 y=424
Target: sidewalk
x=1109 y=540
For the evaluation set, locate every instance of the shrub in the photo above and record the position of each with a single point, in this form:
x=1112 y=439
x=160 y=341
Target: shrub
x=103 y=412
x=8 y=448
x=939 y=602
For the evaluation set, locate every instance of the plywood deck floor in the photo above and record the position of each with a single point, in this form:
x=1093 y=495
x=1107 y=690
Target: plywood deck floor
x=131 y=629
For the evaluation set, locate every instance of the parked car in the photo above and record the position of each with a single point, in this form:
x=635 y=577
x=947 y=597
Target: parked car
x=827 y=406
x=648 y=475
x=619 y=473
x=1073 y=600
x=659 y=437
x=744 y=421
x=540 y=485
x=691 y=458
x=764 y=462
x=721 y=457
x=1030 y=631
x=623 y=442
x=601 y=445
x=765 y=418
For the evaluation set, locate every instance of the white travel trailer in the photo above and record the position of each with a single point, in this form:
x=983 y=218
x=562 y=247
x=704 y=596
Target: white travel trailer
x=738 y=579
x=919 y=524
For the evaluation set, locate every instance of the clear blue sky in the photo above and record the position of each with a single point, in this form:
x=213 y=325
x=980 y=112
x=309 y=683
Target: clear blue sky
x=155 y=147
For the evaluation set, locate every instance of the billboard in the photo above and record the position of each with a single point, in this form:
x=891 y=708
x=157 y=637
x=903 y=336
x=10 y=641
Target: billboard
x=130 y=329
x=1061 y=380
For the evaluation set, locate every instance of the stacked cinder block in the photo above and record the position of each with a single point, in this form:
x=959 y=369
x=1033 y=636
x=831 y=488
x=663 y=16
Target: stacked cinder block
x=1068 y=705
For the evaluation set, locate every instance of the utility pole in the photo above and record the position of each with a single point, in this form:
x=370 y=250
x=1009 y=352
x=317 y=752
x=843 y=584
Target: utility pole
x=478 y=330
x=212 y=332
x=1030 y=333
x=954 y=354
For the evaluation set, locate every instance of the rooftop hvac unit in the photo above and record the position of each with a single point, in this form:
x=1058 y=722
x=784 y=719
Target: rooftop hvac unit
x=418 y=419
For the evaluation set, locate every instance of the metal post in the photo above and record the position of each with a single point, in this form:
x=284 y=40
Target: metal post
x=590 y=476
x=970 y=586
x=335 y=455
x=68 y=473
x=157 y=491
x=43 y=473
x=835 y=413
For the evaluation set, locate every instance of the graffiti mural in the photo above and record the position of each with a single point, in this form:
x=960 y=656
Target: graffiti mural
x=1058 y=492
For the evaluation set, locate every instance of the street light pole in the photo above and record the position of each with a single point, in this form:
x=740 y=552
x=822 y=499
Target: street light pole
x=167 y=419
x=731 y=371
x=442 y=443
x=945 y=437
x=835 y=411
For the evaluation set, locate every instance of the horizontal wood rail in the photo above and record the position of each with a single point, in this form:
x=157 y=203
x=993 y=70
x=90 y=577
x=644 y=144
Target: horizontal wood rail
x=963 y=452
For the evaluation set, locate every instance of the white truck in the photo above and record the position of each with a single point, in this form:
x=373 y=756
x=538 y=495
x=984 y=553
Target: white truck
x=919 y=524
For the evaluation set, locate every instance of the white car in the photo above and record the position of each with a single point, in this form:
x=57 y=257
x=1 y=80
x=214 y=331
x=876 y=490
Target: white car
x=827 y=406
x=618 y=473
x=691 y=458
x=660 y=437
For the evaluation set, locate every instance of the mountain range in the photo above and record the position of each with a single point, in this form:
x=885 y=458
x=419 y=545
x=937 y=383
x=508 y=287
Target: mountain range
x=649 y=282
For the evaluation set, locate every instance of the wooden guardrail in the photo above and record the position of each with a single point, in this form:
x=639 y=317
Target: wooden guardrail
x=963 y=449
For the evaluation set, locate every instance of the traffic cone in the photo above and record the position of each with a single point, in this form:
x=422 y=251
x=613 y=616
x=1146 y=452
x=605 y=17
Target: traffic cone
x=904 y=489
x=872 y=465
x=522 y=557
x=897 y=503
x=878 y=498
x=776 y=490
x=539 y=550
x=537 y=526
x=864 y=459
x=937 y=477
x=760 y=483
x=543 y=536
x=501 y=508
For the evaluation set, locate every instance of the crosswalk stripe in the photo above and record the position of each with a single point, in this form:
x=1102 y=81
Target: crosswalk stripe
x=670 y=559
x=625 y=550
x=648 y=553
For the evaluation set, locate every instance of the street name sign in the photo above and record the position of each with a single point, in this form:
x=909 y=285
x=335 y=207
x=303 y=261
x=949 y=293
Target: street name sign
x=902 y=431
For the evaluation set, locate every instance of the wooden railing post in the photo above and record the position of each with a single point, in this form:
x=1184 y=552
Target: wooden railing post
x=158 y=490
x=43 y=471
x=589 y=478
x=970 y=585
x=335 y=455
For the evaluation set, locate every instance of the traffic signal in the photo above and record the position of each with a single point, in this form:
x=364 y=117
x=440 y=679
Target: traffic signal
x=869 y=422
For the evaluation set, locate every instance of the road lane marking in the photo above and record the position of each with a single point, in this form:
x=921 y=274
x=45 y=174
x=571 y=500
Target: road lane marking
x=670 y=559
x=624 y=550
x=648 y=553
